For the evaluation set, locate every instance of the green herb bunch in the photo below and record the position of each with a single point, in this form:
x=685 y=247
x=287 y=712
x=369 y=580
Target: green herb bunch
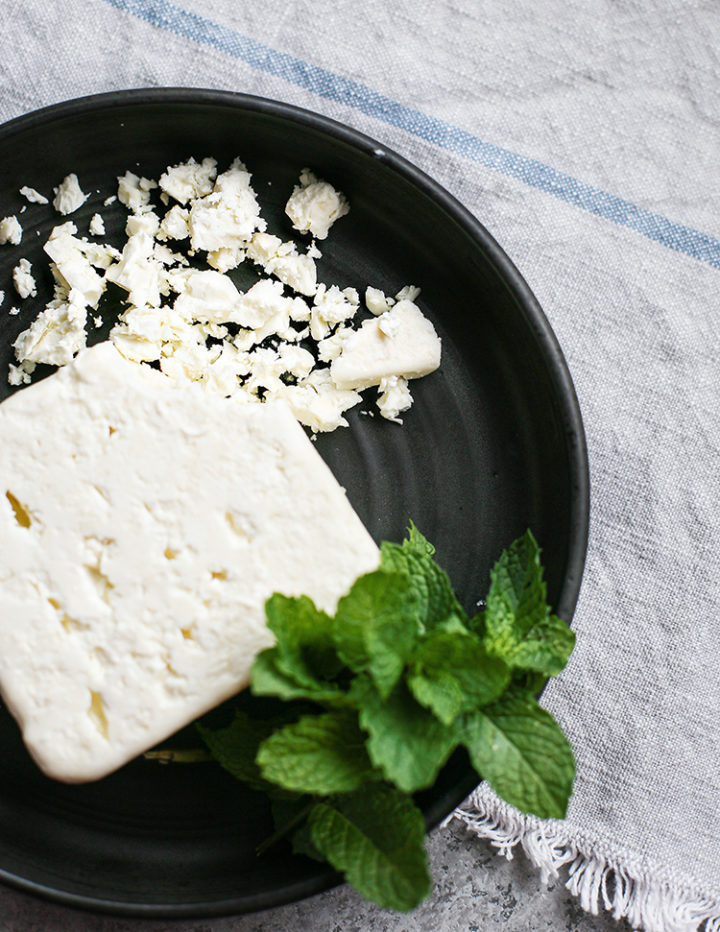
x=376 y=699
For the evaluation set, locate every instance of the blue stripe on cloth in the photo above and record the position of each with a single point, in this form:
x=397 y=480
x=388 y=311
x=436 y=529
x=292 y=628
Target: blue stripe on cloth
x=324 y=83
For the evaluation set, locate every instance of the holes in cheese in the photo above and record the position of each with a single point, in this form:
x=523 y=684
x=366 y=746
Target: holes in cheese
x=22 y=515
x=97 y=715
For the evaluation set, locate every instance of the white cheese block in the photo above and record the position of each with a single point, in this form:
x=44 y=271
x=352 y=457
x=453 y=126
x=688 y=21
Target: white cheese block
x=401 y=342
x=143 y=524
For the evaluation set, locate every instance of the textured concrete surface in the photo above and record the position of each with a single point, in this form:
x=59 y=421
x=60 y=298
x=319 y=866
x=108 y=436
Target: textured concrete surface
x=475 y=891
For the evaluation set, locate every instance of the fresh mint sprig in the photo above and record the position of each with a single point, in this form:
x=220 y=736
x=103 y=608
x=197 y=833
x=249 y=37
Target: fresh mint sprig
x=376 y=698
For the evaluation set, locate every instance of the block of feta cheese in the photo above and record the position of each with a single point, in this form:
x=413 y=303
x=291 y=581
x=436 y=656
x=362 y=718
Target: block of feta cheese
x=400 y=342
x=143 y=524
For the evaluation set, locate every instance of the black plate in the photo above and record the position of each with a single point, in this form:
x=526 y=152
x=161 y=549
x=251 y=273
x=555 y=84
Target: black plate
x=494 y=444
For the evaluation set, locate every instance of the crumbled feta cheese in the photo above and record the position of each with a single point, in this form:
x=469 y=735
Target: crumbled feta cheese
x=23 y=279
x=10 y=231
x=110 y=200
x=134 y=192
x=174 y=224
x=30 y=194
x=138 y=272
x=71 y=268
x=68 y=195
x=263 y=309
x=296 y=271
x=331 y=347
x=394 y=398
x=186 y=319
x=408 y=293
x=97 y=225
x=369 y=355
x=208 y=296
x=317 y=402
x=331 y=307
x=189 y=180
x=2 y=297
x=222 y=223
x=55 y=336
x=21 y=374
x=147 y=222
x=14 y=311
x=376 y=301
x=315 y=205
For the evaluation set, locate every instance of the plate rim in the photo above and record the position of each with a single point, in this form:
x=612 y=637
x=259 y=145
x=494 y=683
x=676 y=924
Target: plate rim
x=559 y=377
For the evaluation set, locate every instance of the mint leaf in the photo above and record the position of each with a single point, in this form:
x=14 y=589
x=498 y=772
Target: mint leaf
x=431 y=585
x=376 y=837
x=405 y=741
x=319 y=754
x=235 y=747
x=545 y=648
x=518 y=624
x=451 y=672
x=267 y=679
x=303 y=633
x=376 y=627
x=521 y=751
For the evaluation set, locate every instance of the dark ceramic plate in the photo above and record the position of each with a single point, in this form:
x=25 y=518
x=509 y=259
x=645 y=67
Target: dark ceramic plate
x=494 y=444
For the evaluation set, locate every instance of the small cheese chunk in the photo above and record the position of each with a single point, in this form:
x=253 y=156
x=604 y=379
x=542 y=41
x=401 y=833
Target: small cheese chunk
x=134 y=192
x=131 y=592
x=68 y=195
x=56 y=335
x=315 y=205
x=72 y=269
x=394 y=398
x=10 y=231
x=97 y=225
x=23 y=279
x=33 y=196
x=189 y=180
x=401 y=342
x=376 y=301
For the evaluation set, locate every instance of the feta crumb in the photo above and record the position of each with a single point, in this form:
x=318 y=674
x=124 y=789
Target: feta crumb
x=315 y=205
x=370 y=355
x=189 y=180
x=23 y=279
x=110 y=200
x=297 y=271
x=10 y=231
x=55 y=336
x=376 y=301
x=174 y=225
x=134 y=192
x=330 y=307
x=68 y=195
x=14 y=311
x=223 y=221
x=2 y=297
x=20 y=375
x=30 y=194
x=97 y=225
x=71 y=265
x=146 y=222
x=408 y=293
x=394 y=398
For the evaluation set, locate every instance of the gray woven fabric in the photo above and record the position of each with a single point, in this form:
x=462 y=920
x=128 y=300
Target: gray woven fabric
x=586 y=137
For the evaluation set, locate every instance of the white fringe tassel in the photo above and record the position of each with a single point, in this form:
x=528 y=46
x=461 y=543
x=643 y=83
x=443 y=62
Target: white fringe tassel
x=647 y=904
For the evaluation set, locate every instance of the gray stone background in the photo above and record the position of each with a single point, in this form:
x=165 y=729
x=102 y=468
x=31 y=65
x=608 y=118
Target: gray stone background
x=475 y=891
